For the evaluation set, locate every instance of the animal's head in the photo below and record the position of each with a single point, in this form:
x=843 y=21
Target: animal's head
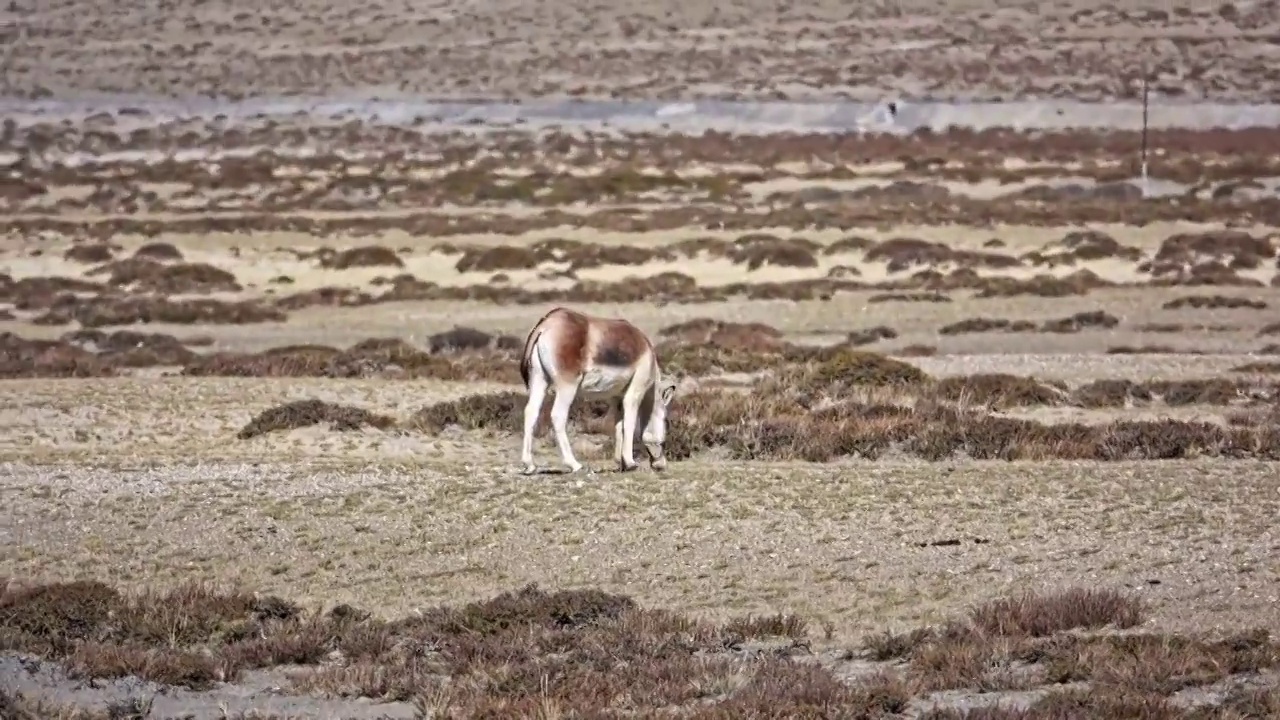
x=655 y=431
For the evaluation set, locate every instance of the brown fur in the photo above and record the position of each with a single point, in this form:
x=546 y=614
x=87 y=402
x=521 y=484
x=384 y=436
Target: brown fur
x=584 y=344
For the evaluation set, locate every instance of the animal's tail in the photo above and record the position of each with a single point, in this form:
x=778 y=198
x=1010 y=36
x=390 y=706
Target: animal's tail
x=529 y=342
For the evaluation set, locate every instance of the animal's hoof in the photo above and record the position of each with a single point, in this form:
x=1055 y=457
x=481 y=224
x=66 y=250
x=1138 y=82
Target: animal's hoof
x=577 y=468
x=627 y=467
x=529 y=469
x=659 y=465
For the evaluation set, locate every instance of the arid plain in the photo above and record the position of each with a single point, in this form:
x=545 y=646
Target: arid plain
x=968 y=425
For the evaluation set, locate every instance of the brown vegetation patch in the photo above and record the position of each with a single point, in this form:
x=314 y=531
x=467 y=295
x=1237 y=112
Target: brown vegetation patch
x=1149 y=350
x=90 y=253
x=982 y=325
x=364 y=256
x=916 y=351
x=932 y=297
x=151 y=276
x=1258 y=367
x=1072 y=324
x=461 y=338
x=1083 y=246
x=1184 y=328
x=484 y=659
x=1195 y=391
x=757 y=250
x=31 y=293
x=997 y=391
x=25 y=358
x=127 y=348
x=750 y=337
x=871 y=335
x=128 y=310
x=781 y=426
x=160 y=251
x=1214 y=302
x=303 y=413
x=1081 y=321
x=374 y=357
x=1232 y=249
x=502 y=258
x=1080 y=282
x=497 y=657
x=901 y=254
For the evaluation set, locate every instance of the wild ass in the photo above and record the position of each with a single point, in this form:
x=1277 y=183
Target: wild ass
x=573 y=353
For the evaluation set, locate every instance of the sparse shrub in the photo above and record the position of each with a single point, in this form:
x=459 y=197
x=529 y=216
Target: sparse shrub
x=364 y=256
x=302 y=413
x=1214 y=302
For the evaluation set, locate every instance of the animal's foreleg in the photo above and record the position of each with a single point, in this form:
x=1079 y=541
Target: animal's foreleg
x=560 y=422
x=532 y=408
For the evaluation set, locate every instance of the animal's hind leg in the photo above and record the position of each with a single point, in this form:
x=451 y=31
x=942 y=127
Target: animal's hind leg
x=532 y=408
x=618 y=409
x=560 y=422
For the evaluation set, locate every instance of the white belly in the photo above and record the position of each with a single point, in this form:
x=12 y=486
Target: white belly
x=605 y=381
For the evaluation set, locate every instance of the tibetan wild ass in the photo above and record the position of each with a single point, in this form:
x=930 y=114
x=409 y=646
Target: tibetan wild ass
x=571 y=353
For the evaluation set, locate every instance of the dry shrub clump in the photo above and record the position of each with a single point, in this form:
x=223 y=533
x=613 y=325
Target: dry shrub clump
x=1083 y=246
x=815 y=416
x=89 y=353
x=722 y=334
x=760 y=249
x=304 y=413
x=364 y=256
x=931 y=297
x=1034 y=640
x=514 y=655
x=91 y=253
x=25 y=358
x=902 y=254
x=1214 y=302
x=142 y=274
x=159 y=251
x=1212 y=257
x=92 y=312
x=369 y=358
x=1079 y=282
x=1072 y=324
x=997 y=391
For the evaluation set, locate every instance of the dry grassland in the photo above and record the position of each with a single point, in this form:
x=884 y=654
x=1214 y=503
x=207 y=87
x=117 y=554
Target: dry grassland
x=665 y=49
x=967 y=427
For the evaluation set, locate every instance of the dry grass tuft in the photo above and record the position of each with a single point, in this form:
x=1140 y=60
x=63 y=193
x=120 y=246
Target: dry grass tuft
x=303 y=413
